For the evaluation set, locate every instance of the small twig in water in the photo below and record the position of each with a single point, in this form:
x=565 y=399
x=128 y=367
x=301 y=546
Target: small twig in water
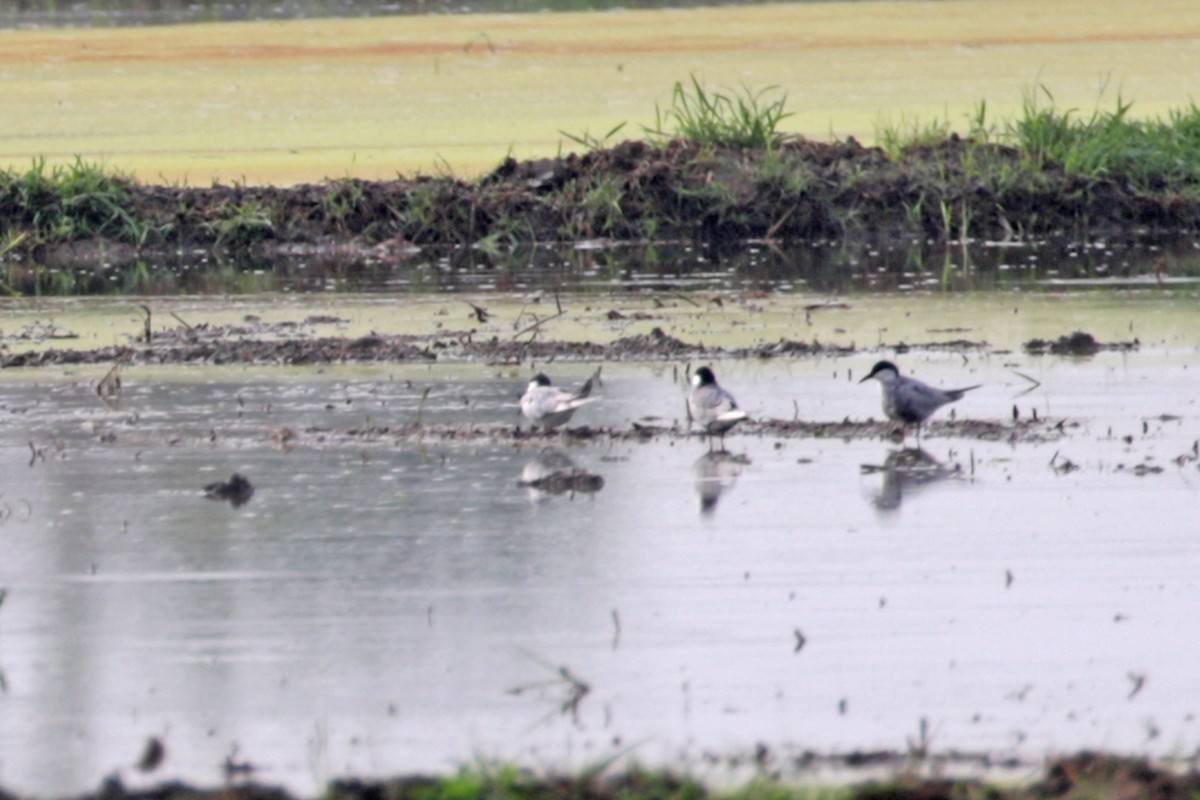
x=109 y=387
x=481 y=313
x=537 y=325
x=1034 y=381
x=577 y=688
x=920 y=748
x=685 y=298
x=421 y=405
x=147 y=329
x=1138 y=680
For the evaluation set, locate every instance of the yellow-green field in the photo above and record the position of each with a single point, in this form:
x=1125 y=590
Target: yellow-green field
x=288 y=102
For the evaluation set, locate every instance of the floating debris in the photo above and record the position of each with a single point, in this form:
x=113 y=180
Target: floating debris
x=237 y=490
x=153 y=755
x=1078 y=343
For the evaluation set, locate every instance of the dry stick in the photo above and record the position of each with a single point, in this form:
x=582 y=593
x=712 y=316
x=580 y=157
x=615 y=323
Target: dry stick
x=520 y=314
x=1036 y=383
x=771 y=231
x=481 y=313
x=109 y=386
x=682 y=296
x=421 y=405
x=537 y=324
x=147 y=310
x=181 y=322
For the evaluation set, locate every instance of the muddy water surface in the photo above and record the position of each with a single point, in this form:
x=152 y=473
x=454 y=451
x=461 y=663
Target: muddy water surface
x=395 y=603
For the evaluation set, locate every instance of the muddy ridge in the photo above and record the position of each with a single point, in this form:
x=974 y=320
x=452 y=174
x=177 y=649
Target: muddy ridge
x=298 y=344
x=1079 y=776
x=634 y=191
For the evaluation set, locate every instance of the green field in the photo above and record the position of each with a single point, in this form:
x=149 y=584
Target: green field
x=288 y=102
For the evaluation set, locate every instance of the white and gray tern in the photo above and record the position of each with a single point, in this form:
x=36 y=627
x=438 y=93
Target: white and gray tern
x=550 y=406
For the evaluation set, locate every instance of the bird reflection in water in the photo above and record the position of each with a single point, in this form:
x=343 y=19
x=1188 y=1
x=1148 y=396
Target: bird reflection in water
x=715 y=473
x=907 y=471
x=553 y=472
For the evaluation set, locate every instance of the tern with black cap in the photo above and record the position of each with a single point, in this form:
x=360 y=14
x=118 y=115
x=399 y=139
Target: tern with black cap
x=908 y=400
x=711 y=407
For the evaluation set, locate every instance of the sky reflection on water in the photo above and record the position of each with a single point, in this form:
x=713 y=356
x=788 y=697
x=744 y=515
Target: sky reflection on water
x=381 y=608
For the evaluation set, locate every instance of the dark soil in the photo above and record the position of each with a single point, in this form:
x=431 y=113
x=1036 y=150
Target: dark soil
x=801 y=192
x=1078 y=343
x=277 y=345
x=1086 y=775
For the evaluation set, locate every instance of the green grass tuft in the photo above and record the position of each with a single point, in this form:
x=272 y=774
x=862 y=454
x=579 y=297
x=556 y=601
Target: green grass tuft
x=76 y=201
x=1149 y=153
x=742 y=119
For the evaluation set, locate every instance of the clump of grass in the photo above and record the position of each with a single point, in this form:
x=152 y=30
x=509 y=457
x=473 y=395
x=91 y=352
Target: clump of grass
x=241 y=224
x=742 y=119
x=1149 y=153
x=341 y=202
x=896 y=136
x=75 y=201
x=1104 y=144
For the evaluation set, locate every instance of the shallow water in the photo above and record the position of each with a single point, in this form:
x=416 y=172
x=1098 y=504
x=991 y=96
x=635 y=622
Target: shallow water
x=602 y=266
x=398 y=605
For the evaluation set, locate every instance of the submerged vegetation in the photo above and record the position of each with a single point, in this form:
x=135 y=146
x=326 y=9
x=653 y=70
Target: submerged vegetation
x=715 y=168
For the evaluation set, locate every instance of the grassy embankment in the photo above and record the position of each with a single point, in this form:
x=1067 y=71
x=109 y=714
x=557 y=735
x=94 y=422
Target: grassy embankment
x=714 y=165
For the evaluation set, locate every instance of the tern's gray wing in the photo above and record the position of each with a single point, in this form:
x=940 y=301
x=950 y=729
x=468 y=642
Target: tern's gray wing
x=714 y=409
x=551 y=399
x=710 y=402
x=914 y=401
x=550 y=405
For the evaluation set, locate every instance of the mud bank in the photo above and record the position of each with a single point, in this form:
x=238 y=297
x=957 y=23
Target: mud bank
x=799 y=191
x=1081 y=775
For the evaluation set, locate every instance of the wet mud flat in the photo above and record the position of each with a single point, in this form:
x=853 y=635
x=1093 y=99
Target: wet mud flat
x=257 y=343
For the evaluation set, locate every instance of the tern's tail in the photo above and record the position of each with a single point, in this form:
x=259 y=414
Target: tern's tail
x=956 y=394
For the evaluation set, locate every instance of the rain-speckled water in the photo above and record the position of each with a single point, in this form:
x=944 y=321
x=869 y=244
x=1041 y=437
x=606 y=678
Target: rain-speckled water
x=391 y=606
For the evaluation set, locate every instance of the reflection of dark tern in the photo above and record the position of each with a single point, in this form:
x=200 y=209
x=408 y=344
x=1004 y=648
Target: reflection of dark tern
x=716 y=472
x=554 y=473
x=905 y=471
